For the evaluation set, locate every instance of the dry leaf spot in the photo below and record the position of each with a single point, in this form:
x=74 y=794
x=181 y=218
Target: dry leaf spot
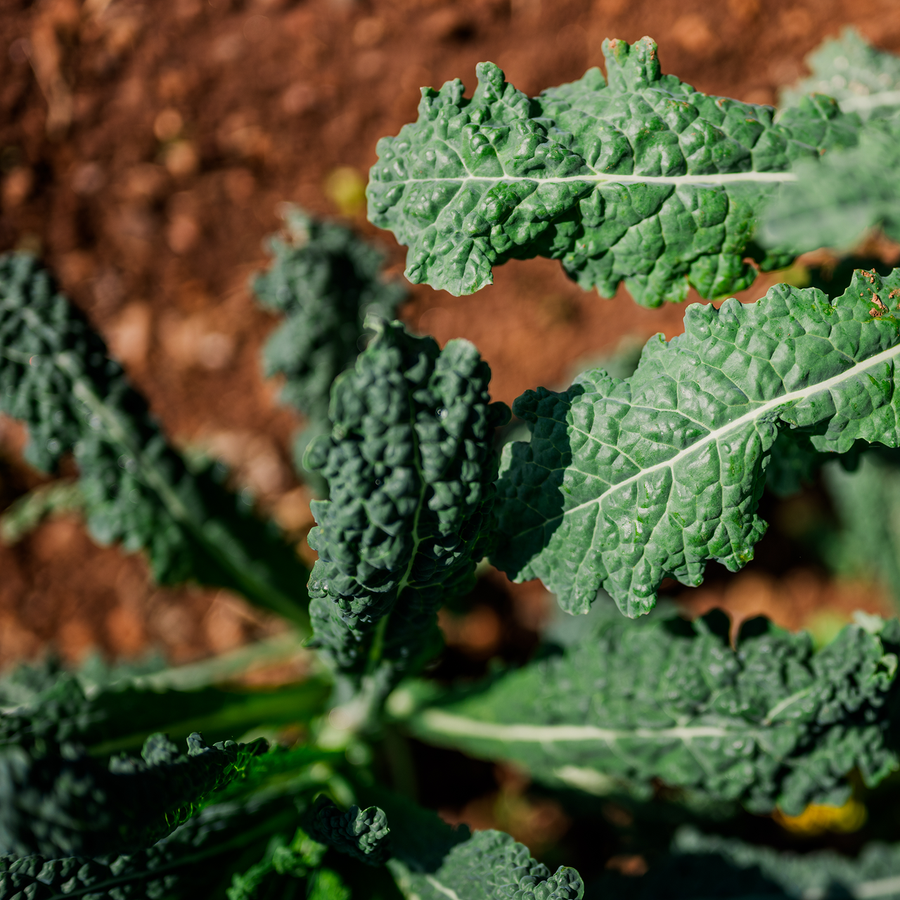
x=880 y=309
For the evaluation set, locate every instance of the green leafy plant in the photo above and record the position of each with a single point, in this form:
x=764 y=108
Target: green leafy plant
x=670 y=727
x=56 y=376
x=637 y=177
x=663 y=471
x=326 y=283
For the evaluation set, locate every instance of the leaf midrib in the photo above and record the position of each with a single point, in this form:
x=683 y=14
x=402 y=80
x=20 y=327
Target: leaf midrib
x=717 y=434
x=438 y=721
x=598 y=178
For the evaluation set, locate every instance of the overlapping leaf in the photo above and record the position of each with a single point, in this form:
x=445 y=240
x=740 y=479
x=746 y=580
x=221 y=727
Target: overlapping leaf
x=867 y=503
x=862 y=79
x=641 y=179
x=326 y=281
x=834 y=201
x=855 y=189
x=875 y=872
x=57 y=801
x=432 y=861
x=770 y=722
x=192 y=861
x=122 y=716
x=704 y=866
x=410 y=467
x=361 y=833
x=490 y=865
x=55 y=375
x=626 y=482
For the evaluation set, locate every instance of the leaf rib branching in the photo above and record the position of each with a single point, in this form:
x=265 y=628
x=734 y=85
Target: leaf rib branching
x=638 y=178
x=628 y=481
x=772 y=722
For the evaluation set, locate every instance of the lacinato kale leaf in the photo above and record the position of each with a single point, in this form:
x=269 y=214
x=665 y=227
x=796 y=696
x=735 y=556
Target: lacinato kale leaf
x=326 y=281
x=56 y=375
x=432 y=861
x=361 y=833
x=862 y=79
x=410 y=467
x=744 y=870
x=638 y=178
x=854 y=189
x=123 y=715
x=866 y=543
x=771 y=722
x=490 y=865
x=197 y=859
x=626 y=482
x=835 y=200
x=57 y=801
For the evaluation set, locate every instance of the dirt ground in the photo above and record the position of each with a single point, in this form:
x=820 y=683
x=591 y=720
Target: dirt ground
x=144 y=150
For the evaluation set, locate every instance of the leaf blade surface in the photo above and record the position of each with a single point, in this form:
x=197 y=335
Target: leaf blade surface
x=770 y=723
x=641 y=179
x=627 y=482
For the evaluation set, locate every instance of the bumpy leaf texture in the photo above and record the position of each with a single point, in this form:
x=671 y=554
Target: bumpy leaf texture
x=626 y=482
x=411 y=468
x=432 y=861
x=490 y=865
x=862 y=79
x=361 y=833
x=57 y=801
x=769 y=723
x=193 y=861
x=121 y=715
x=326 y=281
x=55 y=375
x=639 y=178
x=834 y=201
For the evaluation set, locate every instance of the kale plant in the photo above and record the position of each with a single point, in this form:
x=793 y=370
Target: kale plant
x=653 y=731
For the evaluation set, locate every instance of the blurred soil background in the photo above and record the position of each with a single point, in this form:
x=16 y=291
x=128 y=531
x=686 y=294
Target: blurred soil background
x=144 y=150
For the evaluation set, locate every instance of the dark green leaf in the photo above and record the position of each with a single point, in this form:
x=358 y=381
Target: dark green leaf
x=770 y=723
x=410 y=467
x=432 y=861
x=193 y=861
x=122 y=717
x=57 y=801
x=362 y=833
x=490 y=865
x=56 y=376
x=326 y=281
